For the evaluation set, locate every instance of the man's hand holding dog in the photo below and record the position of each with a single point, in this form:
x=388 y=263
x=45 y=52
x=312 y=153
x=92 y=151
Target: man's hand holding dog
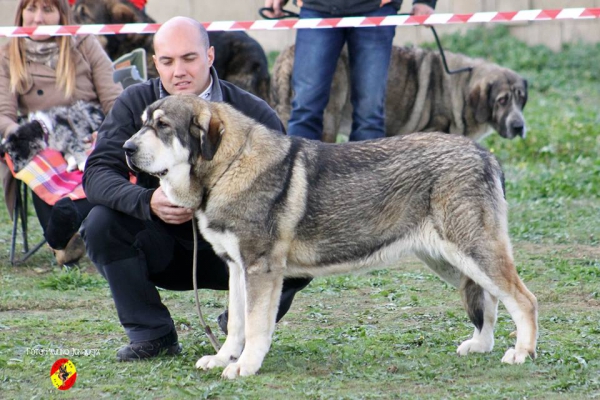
x=166 y=211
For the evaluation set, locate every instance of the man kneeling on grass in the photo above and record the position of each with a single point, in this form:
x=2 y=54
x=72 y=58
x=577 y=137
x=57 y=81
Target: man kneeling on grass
x=136 y=238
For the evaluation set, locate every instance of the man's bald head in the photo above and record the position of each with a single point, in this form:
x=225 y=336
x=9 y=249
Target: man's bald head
x=183 y=56
x=189 y=27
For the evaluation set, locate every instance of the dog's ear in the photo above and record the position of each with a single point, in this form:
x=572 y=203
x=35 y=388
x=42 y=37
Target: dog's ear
x=525 y=86
x=123 y=14
x=208 y=136
x=479 y=101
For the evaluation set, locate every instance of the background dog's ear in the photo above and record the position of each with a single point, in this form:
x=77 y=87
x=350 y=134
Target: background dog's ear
x=479 y=101
x=210 y=137
x=525 y=85
x=123 y=14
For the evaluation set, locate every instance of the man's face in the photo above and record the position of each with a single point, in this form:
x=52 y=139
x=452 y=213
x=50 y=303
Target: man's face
x=182 y=62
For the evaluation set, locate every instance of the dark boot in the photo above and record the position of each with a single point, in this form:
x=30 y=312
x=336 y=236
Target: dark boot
x=166 y=345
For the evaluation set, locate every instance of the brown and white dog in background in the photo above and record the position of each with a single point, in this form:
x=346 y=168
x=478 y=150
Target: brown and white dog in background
x=239 y=59
x=421 y=96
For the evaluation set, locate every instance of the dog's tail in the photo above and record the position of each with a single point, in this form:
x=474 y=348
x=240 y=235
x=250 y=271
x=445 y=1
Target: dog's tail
x=281 y=84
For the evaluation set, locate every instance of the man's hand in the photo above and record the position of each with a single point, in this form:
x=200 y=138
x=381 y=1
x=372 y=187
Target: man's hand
x=277 y=6
x=421 y=9
x=166 y=211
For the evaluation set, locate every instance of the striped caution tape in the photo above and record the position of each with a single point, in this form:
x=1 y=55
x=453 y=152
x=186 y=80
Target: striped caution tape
x=314 y=23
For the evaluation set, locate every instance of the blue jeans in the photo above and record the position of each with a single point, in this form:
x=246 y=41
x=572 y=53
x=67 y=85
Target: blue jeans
x=316 y=56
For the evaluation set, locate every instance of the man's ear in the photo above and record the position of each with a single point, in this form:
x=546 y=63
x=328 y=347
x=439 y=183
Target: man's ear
x=207 y=137
x=479 y=102
x=211 y=55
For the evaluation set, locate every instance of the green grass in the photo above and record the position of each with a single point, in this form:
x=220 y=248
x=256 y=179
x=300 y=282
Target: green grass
x=387 y=334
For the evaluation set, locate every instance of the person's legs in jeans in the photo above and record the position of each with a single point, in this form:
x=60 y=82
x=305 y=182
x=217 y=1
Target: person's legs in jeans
x=369 y=52
x=315 y=60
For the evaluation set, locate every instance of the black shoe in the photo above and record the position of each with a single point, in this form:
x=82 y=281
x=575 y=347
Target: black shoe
x=167 y=344
x=222 y=321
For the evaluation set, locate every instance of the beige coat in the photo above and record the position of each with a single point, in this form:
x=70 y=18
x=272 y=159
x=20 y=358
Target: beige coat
x=94 y=82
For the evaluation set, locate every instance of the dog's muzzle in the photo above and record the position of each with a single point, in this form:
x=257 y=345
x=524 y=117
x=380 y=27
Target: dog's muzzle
x=130 y=150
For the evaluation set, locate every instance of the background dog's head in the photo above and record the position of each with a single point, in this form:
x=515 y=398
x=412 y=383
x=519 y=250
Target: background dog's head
x=177 y=132
x=24 y=143
x=498 y=98
x=116 y=12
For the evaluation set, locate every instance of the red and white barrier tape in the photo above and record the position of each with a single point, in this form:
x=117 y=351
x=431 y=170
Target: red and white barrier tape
x=314 y=23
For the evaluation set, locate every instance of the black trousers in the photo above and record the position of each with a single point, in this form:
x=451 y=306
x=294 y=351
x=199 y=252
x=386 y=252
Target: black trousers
x=136 y=256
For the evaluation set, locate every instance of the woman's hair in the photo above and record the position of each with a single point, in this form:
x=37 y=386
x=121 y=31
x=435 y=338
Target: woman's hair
x=20 y=78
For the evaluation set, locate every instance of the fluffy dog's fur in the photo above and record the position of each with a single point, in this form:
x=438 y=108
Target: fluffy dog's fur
x=273 y=206
x=67 y=129
x=421 y=96
x=239 y=59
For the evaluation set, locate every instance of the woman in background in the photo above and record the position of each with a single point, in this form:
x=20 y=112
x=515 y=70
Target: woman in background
x=42 y=72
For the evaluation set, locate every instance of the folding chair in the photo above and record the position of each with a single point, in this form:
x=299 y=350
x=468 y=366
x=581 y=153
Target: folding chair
x=130 y=68
x=20 y=213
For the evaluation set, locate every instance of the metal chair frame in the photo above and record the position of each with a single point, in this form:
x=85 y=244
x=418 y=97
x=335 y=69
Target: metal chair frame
x=20 y=217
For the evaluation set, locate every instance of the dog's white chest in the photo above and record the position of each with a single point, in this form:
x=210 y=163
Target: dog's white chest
x=223 y=242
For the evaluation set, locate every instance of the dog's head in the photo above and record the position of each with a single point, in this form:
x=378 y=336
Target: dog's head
x=498 y=99
x=24 y=143
x=178 y=133
x=112 y=12
x=107 y=12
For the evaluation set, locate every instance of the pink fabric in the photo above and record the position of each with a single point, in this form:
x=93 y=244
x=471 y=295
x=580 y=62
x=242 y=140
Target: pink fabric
x=48 y=177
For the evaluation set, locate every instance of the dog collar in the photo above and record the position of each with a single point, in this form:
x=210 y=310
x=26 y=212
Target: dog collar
x=44 y=128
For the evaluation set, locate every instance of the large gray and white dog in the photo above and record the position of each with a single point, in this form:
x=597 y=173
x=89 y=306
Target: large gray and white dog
x=273 y=206
x=421 y=96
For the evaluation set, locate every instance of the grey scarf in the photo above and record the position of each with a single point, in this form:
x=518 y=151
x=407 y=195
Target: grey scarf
x=42 y=52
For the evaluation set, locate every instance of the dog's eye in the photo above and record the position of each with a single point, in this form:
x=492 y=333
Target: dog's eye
x=503 y=100
x=161 y=124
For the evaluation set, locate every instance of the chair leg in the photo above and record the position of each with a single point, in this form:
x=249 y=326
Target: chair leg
x=20 y=212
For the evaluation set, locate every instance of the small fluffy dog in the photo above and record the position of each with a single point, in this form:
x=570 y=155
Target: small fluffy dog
x=67 y=129
x=275 y=206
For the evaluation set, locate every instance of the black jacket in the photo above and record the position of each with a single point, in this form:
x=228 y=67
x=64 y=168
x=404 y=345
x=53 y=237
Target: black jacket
x=106 y=175
x=352 y=7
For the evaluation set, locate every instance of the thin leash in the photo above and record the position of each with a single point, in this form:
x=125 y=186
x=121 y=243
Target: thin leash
x=211 y=337
x=291 y=14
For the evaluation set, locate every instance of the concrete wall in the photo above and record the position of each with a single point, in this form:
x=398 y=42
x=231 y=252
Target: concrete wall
x=549 y=33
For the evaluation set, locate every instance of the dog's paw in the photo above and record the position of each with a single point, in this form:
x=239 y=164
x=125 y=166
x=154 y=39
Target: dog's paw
x=474 y=346
x=234 y=370
x=514 y=356
x=210 y=362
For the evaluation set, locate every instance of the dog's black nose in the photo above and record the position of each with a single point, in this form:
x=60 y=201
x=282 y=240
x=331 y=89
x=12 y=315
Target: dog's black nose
x=130 y=148
x=518 y=128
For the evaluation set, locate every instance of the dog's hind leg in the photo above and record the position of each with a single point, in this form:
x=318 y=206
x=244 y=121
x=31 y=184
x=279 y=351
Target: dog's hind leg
x=481 y=306
x=234 y=344
x=263 y=291
x=494 y=271
x=482 y=309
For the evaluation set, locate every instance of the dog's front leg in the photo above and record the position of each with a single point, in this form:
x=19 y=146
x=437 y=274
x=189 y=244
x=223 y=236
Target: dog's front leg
x=71 y=162
x=234 y=344
x=263 y=291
